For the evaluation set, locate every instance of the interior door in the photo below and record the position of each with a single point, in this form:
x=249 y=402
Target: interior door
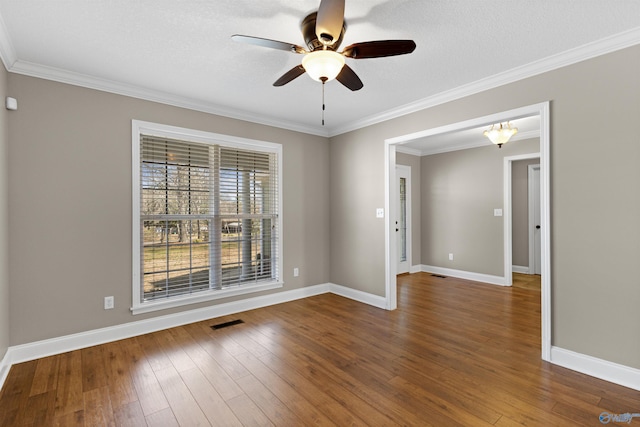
x=534 y=222
x=403 y=219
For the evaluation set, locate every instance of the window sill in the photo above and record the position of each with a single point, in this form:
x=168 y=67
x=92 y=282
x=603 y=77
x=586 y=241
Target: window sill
x=202 y=297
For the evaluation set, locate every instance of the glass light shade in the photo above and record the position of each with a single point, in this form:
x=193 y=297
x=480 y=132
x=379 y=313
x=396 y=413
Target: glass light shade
x=323 y=64
x=500 y=135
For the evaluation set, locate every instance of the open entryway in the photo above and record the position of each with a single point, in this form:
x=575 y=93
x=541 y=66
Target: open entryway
x=393 y=247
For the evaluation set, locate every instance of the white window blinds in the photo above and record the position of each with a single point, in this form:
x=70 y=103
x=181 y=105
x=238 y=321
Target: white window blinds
x=208 y=217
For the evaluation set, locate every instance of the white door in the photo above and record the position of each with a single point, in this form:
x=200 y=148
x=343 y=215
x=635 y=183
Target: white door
x=403 y=218
x=535 y=248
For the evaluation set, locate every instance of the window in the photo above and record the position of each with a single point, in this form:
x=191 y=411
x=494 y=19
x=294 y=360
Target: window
x=206 y=216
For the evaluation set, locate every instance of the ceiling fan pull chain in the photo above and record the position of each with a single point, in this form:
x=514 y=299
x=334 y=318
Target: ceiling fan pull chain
x=324 y=80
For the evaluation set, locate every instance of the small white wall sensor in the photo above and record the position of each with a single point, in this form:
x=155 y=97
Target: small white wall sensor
x=11 y=103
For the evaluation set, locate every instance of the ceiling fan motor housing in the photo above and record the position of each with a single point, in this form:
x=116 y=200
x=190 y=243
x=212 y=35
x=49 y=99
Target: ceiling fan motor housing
x=308 y=27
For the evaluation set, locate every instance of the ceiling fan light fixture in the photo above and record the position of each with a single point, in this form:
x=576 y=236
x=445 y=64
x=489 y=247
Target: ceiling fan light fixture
x=499 y=134
x=323 y=64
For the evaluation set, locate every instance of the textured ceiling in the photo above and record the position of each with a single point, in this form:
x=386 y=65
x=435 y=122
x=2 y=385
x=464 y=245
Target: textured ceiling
x=181 y=52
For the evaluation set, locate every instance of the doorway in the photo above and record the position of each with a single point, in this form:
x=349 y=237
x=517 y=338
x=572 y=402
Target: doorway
x=540 y=110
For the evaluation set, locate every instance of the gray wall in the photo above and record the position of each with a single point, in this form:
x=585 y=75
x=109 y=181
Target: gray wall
x=520 y=213
x=70 y=205
x=416 y=246
x=460 y=190
x=595 y=232
x=357 y=189
x=4 y=273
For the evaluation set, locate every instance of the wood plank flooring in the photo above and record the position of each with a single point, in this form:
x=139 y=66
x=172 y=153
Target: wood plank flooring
x=455 y=353
x=527 y=281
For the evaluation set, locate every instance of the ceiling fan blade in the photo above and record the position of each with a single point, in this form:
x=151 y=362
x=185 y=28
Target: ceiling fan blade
x=330 y=21
x=349 y=78
x=293 y=73
x=273 y=44
x=378 y=49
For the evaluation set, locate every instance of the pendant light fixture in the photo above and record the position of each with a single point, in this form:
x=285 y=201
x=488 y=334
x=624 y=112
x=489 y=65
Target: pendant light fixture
x=500 y=134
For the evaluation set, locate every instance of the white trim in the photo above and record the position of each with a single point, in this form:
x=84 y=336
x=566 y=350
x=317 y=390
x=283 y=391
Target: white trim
x=83 y=80
x=138 y=128
x=467 y=275
x=520 y=269
x=390 y=267
x=415 y=269
x=7 y=52
x=5 y=366
x=545 y=236
x=408 y=150
x=204 y=296
x=599 y=368
x=44 y=348
x=356 y=295
x=507 y=230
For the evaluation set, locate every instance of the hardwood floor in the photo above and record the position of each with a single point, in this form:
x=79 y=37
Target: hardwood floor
x=454 y=353
x=526 y=281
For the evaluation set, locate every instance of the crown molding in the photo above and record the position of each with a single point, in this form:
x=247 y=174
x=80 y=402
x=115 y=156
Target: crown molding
x=582 y=53
x=7 y=52
x=77 y=79
x=591 y=50
x=408 y=150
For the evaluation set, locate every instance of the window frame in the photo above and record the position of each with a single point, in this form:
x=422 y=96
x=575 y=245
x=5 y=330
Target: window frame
x=139 y=128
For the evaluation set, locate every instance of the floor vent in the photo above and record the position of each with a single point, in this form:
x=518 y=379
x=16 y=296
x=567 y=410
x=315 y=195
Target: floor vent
x=439 y=276
x=227 y=324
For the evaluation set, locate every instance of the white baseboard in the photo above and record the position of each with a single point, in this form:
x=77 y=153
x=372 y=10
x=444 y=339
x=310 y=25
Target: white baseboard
x=5 y=365
x=363 y=297
x=415 y=269
x=44 y=348
x=49 y=347
x=520 y=269
x=599 y=368
x=468 y=275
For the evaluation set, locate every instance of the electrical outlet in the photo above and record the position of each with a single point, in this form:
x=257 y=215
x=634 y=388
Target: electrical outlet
x=450 y=257
x=108 y=303
x=296 y=272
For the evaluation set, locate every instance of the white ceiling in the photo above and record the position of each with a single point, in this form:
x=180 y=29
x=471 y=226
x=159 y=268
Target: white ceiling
x=180 y=51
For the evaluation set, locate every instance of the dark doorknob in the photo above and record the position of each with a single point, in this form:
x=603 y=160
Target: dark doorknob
x=537 y=226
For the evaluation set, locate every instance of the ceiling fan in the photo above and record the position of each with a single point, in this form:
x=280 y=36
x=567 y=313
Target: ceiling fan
x=323 y=32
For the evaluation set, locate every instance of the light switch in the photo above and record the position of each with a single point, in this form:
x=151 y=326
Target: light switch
x=497 y=212
x=380 y=213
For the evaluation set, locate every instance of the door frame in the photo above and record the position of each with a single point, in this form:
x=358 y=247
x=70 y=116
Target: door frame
x=407 y=173
x=541 y=110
